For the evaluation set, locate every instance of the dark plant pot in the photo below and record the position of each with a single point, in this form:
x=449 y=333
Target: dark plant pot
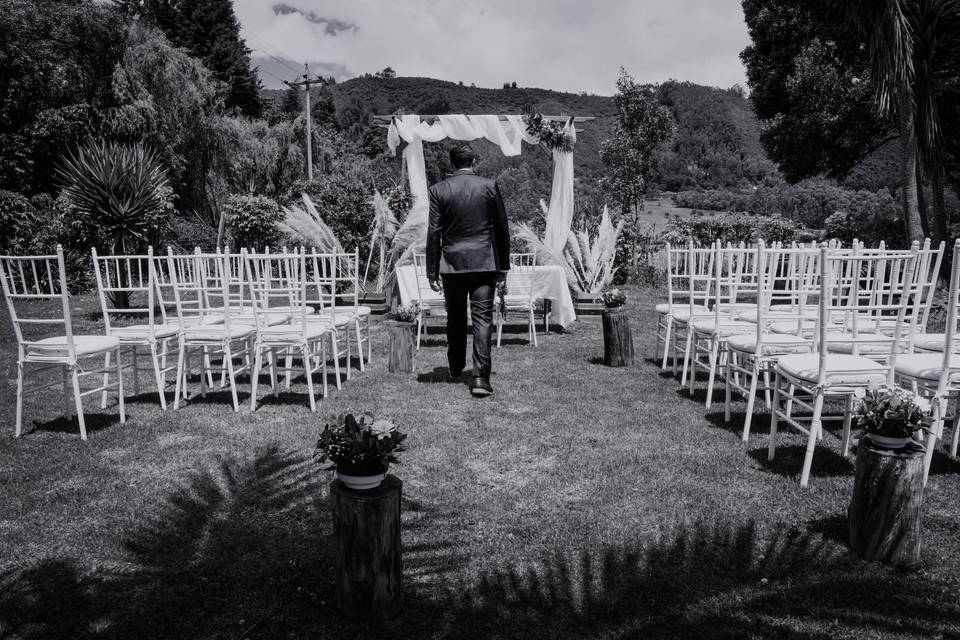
x=584 y=304
x=617 y=338
x=377 y=301
x=362 y=476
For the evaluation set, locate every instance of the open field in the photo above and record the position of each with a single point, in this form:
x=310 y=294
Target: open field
x=578 y=501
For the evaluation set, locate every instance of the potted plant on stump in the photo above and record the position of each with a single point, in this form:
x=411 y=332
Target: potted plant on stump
x=884 y=512
x=401 y=324
x=617 y=339
x=365 y=508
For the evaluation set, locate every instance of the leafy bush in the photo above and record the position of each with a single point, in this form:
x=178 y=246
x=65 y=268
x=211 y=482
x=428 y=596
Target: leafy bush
x=343 y=202
x=253 y=221
x=733 y=228
x=184 y=234
x=18 y=219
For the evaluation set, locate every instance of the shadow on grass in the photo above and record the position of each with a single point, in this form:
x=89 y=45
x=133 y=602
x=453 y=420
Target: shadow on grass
x=789 y=461
x=92 y=421
x=243 y=550
x=441 y=375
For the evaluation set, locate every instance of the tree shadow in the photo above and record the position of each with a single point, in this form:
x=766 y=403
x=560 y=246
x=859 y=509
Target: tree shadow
x=244 y=550
x=789 y=461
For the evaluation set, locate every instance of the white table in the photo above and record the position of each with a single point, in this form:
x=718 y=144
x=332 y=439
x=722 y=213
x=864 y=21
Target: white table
x=549 y=283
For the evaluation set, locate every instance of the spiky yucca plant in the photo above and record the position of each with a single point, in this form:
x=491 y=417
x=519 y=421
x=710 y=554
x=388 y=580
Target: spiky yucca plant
x=120 y=188
x=305 y=226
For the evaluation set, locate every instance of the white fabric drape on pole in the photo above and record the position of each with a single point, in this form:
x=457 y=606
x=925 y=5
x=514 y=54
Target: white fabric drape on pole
x=508 y=134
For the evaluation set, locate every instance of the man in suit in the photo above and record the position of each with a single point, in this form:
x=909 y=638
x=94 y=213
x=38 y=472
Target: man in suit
x=468 y=247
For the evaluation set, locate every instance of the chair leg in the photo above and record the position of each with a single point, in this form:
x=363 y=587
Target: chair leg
x=939 y=411
x=533 y=327
x=360 y=345
x=274 y=358
x=751 y=400
x=369 y=341
x=18 y=429
x=158 y=375
x=847 y=419
x=123 y=411
x=499 y=329
x=686 y=359
x=732 y=364
x=323 y=356
x=78 y=401
x=955 y=440
x=67 y=402
x=346 y=338
x=308 y=370
x=206 y=369
x=666 y=342
x=335 y=347
x=766 y=388
x=816 y=426
x=288 y=369
x=136 y=370
x=106 y=381
x=255 y=377
x=419 y=327
x=181 y=374
x=714 y=363
x=228 y=356
x=772 y=444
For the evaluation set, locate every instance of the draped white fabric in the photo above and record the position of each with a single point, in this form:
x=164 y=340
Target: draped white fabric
x=508 y=134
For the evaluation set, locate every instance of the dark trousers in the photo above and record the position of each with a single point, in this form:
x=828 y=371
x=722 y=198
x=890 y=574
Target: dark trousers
x=479 y=288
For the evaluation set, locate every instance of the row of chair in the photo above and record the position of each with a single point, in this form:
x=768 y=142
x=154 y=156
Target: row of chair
x=807 y=325
x=251 y=310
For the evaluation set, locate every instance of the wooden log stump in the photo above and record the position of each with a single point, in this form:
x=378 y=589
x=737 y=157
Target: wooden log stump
x=617 y=339
x=369 y=569
x=884 y=513
x=403 y=346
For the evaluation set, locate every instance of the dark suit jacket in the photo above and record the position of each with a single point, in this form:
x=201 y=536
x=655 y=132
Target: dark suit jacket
x=468 y=230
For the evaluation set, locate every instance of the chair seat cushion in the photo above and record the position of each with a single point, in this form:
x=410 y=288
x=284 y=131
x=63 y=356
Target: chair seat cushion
x=926 y=366
x=775 y=313
x=360 y=310
x=770 y=345
x=271 y=319
x=340 y=319
x=291 y=333
x=932 y=342
x=217 y=333
x=682 y=314
x=292 y=310
x=55 y=347
x=876 y=345
x=726 y=328
x=664 y=307
x=841 y=369
x=208 y=319
x=792 y=327
x=137 y=332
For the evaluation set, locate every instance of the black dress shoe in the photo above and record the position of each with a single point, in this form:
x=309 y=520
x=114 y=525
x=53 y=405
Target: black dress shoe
x=481 y=388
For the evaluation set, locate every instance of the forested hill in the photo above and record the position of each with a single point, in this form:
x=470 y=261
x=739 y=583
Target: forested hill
x=717 y=142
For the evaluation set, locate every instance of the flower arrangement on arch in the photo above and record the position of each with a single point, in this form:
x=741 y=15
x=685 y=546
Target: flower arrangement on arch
x=360 y=446
x=612 y=298
x=893 y=413
x=551 y=134
x=404 y=312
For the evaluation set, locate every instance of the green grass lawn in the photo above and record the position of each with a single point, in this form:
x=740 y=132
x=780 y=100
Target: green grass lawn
x=578 y=501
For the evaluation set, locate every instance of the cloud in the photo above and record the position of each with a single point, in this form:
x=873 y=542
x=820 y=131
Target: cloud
x=333 y=25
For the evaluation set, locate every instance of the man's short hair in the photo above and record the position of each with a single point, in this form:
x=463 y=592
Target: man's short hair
x=462 y=156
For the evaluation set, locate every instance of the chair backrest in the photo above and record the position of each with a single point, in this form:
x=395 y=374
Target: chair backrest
x=31 y=285
x=345 y=275
x=321 y=284
x=234 y=274
x=520 y=276
x=123 y=280
x=277 y=281
x=952 y=342
x=201 y=288
x=928 y=273
x=864 y=303
x=700 y=275
x=420 y=271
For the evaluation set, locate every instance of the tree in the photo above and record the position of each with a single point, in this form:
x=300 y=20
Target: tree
x=56 y=59
x=210 y=31
x=386 y=73
x=642 y=126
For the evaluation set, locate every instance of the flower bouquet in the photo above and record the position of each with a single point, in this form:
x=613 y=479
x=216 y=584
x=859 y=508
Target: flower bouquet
x=404 y=312
x=890 y=417
x=361 y=449
x=612 y=298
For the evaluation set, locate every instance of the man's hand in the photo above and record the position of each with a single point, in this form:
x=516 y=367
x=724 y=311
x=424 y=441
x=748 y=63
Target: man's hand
x=435 y=285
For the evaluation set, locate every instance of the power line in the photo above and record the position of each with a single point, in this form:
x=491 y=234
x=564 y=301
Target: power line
x=276 y=49
x=276 y=59
x=270 y=73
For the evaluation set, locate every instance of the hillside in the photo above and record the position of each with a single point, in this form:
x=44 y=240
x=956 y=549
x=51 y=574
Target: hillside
x=714 y=125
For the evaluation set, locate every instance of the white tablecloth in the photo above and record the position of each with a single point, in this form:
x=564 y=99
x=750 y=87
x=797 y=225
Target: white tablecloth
x=548 y=282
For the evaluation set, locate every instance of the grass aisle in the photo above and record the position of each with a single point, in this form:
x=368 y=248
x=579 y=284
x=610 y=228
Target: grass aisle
x=578 y=501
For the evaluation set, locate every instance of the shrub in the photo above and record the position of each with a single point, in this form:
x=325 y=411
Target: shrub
x=184 y=234
x=733 y=228
x=18 y=219
x=253 y=221
x=344 y=204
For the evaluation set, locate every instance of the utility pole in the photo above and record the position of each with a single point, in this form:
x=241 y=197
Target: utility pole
x=306 y=82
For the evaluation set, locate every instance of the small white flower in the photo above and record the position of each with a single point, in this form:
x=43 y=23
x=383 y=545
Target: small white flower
x=859 y=393
x=382 y=427
x=923 y=404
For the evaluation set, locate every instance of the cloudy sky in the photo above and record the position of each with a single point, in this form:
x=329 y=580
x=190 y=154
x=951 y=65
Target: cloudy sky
x=568 y=45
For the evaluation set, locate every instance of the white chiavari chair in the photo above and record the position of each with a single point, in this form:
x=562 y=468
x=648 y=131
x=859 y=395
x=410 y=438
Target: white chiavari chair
x=31 y=286
x=345 y=282
x=735 y=276
x=278 y=287
x=847 y=283
x=520 y=293
x=322 y=296
x=936 y=373
x=699 y=276
x=425 y=295
x=127 y=288
x=785 y=285
x=206 y=318
x=678 y=292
